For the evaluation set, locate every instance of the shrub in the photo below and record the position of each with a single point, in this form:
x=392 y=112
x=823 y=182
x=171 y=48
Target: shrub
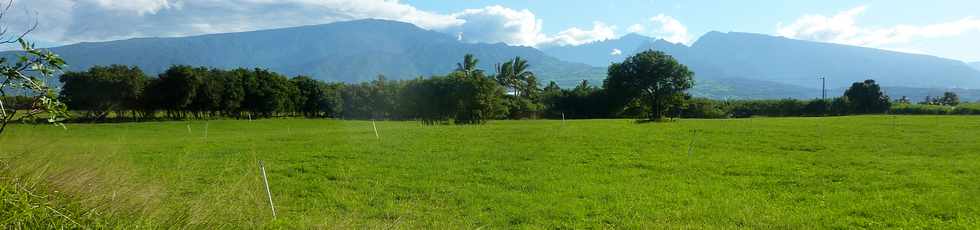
x=704 y=108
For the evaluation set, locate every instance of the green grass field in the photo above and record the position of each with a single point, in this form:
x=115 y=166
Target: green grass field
x=837 y=172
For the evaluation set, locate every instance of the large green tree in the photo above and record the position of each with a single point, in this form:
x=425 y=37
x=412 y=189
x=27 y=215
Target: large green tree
x=514 y=74
x=477 y=98
x=466 y=96
x=316 y=98
x=430 y=100
x=177 y=88
x=208 y=100
x=266 y=93
x=866 y=97
x=950 y=99
x=652 y=77
x=525 y=101
x=103 y=89
x=233 y=92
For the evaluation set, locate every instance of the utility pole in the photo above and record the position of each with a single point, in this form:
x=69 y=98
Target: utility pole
x=823 y=90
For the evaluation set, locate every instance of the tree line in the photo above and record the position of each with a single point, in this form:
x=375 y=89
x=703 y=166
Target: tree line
x=650 y=85
x=465 y=96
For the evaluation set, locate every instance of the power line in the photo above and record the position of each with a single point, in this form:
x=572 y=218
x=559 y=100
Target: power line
x=823 y=88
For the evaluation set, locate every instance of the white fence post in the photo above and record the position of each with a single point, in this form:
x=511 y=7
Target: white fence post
x=375 y=125
x=690 y=147
x=267 y=190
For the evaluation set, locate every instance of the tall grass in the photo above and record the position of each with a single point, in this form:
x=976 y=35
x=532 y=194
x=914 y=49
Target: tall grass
x=27 y=201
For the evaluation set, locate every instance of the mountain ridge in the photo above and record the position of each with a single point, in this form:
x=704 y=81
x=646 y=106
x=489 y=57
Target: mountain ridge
x=718 y=55
x=599 y=53
x=776 y=58
x=350 y=51
x=727 y=65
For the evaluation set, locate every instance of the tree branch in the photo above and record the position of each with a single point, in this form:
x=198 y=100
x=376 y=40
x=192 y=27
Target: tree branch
x=6 y=120
x=4 y=30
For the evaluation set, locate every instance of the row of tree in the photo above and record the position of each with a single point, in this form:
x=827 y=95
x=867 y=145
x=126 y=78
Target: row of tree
x=465 y=96
x=585 y=101
x=948 y=99
x=649 y=85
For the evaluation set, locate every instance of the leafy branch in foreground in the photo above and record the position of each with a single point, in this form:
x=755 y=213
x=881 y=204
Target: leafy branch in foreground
x=27 y=77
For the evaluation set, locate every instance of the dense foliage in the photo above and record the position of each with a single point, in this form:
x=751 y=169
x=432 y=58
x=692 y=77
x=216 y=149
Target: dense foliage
x=28 y=76
x=101 y=90
x=651 y=85
x=651 y=77
x=866 y=98
x=948 y=99
x=466 y=96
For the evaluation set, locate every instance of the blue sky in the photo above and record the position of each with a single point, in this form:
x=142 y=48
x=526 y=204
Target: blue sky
x=760 y=16
x=946 y=28
x=757 y=16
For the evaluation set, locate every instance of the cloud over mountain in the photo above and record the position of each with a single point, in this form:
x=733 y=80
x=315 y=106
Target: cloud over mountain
x=575 y=36
x=843 y=28
x=97 y=20
x=69 y=21
x=665 y=27
x=496 y=24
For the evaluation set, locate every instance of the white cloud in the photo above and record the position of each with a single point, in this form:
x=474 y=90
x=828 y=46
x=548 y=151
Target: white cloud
x=670 y=29
x=616 y=52
x=97 y=20
x=575 y=36
x=905 y=50
x=139 y=6
x=497 y=24
x=664 y=27
x=635 y=28
x=843 y=28
x=67 y=21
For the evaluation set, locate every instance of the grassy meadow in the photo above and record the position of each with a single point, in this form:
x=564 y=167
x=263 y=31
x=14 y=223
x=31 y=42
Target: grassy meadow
x=796 y=173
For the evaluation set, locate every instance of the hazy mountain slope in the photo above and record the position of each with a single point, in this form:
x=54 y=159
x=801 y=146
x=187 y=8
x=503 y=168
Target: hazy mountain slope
x=727 y=65
x=785 y=60
x=346 y=51
x=767 y=58
x=734 y=88
x=975 y=65
x=919 y=94
x=599 y=53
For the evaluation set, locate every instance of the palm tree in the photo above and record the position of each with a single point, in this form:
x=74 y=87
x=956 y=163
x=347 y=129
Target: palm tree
x=468 y=66
x=531 y=87
x=505 y=74
x=520 y=76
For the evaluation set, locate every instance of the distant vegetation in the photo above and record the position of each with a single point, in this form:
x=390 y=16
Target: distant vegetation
x=728 y=65
x=650 y=85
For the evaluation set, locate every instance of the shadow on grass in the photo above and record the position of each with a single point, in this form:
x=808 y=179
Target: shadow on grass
x=662 y=120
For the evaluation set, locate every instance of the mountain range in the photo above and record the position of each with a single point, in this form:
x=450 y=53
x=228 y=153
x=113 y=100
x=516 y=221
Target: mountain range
x=727 y=65
x=352 y=51
x=975 y=65
x=601 y=53
x=734 y=55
